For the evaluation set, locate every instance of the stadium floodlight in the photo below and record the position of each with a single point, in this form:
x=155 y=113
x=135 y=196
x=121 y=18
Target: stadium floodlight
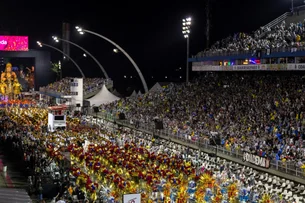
x=186 y=31
x=55 y=38
x=82 y=31
x=39 y=43
x=186 y=27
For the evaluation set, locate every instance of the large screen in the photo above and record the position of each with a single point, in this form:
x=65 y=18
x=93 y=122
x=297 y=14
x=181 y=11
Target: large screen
x=24 y=69
x=14 y=43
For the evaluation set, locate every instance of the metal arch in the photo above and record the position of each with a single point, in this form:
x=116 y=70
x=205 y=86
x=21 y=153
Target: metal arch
x=87 y=52
x=66 y=55
x=125 y=53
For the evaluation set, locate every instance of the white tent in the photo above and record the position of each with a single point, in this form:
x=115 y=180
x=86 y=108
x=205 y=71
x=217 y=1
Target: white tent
x=139 y=93
x=134 y=94
x=156 y=88
x=116 y=93
x=103 y=97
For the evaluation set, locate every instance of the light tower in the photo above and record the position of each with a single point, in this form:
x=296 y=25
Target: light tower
x=186 y=30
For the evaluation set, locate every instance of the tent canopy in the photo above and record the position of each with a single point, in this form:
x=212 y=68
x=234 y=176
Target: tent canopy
x=156 y=88
x=103 y=97
x=134 y=94
x=116 y=93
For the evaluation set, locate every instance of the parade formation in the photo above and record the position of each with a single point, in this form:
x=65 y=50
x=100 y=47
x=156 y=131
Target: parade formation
x=104 y=164
x=231 y=130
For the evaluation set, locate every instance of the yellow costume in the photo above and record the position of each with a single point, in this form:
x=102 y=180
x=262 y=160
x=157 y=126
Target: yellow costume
x=3 y=88
x=8 y=77
x=17 y=88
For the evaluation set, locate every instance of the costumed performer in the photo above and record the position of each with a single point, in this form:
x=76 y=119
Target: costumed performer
x=17 y=88
x=8 y=77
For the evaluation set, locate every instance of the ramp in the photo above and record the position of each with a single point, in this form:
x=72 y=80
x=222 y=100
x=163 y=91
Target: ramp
x=14 y=195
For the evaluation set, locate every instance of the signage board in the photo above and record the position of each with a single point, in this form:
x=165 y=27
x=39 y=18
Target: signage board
x=256 y=160
x=14 y=43
x=132 y=198
x=198 y=66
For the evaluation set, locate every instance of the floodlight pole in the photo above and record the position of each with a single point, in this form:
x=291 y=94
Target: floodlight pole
x=186 y=30
x=187 y=58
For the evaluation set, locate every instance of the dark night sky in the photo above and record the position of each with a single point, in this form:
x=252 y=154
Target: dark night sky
x=149 y=31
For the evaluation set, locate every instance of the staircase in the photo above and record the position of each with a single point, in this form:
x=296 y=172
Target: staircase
x=278 y=20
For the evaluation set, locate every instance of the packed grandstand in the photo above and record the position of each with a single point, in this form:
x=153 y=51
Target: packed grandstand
x=64 y=86
x=278 y=37
x=101 y=156
x=260 y=113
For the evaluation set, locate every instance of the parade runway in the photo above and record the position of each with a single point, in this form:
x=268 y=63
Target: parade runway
x=12 y=182
x=13 y=177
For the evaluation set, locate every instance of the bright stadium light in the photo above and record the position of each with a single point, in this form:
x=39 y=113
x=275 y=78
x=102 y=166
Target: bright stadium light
x=186 y=31
x=39 y=43
x=115 y=50
x=82 y=31
x=55 y=38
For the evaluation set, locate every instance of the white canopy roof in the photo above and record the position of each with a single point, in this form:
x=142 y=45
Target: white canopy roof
x=103 y=97
x=116 y=93
x=134 y=94
x=156 y=88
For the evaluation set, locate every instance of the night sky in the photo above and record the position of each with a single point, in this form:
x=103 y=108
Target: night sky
x=150 y=31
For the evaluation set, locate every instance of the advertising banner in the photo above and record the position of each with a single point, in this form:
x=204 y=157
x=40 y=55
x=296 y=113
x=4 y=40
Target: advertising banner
x=206 y=68
x=14 y=43
x=132 y=198
x=197 y=66
x=246 y=67
x=256 y=160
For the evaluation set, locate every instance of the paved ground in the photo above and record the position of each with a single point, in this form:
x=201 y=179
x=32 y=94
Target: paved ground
x=14 y=176
x=13 y=182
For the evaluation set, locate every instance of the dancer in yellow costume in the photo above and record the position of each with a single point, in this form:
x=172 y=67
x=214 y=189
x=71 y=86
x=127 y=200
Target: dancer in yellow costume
x=8 y=77
x=3 y=88
x=17 y=88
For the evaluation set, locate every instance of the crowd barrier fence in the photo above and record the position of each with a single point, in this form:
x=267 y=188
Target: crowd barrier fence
x=107 y=82
x=289 y=167
x=234 y=53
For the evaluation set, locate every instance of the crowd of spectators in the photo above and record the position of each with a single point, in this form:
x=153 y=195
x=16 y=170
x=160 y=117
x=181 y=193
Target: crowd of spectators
x=280 y=36
x=64 y=86
x=260 y=113
x=38 y=156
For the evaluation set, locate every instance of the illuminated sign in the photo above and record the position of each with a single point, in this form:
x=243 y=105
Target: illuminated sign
x=14 y=43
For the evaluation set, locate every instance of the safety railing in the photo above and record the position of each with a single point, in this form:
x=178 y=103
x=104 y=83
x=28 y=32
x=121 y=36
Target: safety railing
x=277 y=20
x=44 y=90
x=252 y=52
x=289 y=167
